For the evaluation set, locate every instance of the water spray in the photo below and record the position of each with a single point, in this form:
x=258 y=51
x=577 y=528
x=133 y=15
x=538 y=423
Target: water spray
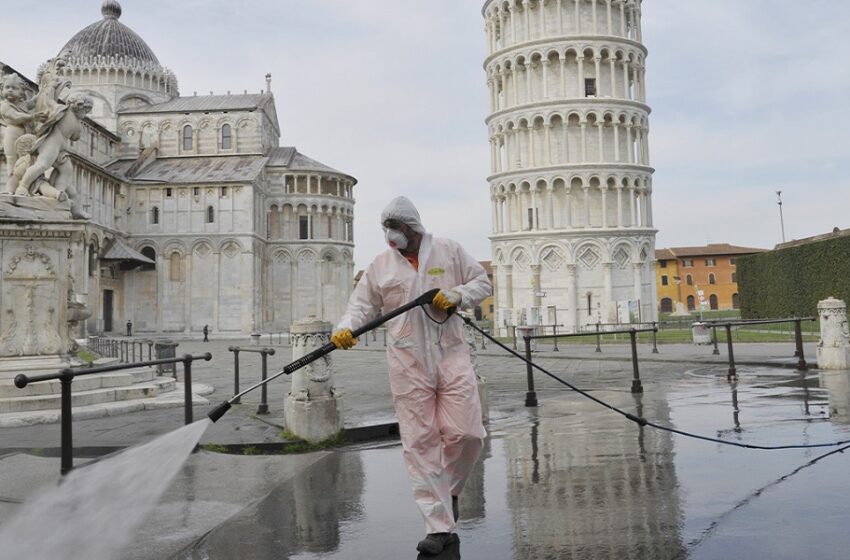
x=424 y=299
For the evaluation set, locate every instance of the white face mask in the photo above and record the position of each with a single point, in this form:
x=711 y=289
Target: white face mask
x=395 y=239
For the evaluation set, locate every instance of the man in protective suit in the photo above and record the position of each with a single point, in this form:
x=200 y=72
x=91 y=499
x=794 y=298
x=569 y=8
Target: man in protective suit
x=433 y=384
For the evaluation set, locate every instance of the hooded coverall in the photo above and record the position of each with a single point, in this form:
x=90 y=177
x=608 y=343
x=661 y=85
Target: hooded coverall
x=434 y=387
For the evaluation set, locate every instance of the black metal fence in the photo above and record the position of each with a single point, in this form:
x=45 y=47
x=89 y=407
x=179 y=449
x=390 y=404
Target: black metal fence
x=264 y=354
x=637 y=387
x=66 y=377
x=728 y=325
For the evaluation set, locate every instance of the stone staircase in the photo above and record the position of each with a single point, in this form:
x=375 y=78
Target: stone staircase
x=96 y=395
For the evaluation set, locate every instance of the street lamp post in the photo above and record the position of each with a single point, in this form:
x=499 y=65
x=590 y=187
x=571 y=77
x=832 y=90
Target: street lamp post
x=781 y=219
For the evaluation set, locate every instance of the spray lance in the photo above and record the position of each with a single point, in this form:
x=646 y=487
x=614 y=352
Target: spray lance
x=424 y=299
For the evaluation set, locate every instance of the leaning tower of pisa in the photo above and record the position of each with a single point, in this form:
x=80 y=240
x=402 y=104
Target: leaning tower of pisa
x=571 y=186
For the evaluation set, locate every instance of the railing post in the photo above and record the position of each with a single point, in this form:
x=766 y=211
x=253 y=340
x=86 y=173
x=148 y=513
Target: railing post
x=150 y=350
x=732 y=371
x=531 y=394
x=235 y=350
x=270 y=339
x=798 y=338
x=264 y=406
x=636 y=385
x=598 y=338
x=187 y=385
x=67 y=437
x=654 y=337
x=716 y=351
x=555 y=333
x=133 y=345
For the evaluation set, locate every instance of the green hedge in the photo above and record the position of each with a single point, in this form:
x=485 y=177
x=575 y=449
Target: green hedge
x=791 y=281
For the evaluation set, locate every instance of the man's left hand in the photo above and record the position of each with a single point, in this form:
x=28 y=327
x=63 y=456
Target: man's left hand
x=445 y=300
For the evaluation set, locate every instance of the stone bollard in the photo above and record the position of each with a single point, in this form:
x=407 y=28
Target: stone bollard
x=834 y=345
x=312 y=410
x=469 y=335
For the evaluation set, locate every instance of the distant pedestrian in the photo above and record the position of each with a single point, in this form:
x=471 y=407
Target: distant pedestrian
x=206 y=333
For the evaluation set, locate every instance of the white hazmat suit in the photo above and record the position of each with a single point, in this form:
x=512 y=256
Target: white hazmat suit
x=433 y=384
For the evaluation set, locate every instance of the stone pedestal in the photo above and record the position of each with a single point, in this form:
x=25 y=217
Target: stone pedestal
x=38 y=301
x=834 y=346
x=312 y=410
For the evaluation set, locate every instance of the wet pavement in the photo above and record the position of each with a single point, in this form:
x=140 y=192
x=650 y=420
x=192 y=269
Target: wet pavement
x=568 y=479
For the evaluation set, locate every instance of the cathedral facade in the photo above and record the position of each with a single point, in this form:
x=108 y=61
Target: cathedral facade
x=194 y=215
x=573 y=240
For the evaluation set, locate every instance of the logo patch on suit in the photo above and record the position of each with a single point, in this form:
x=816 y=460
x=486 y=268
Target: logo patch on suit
x=437 y=271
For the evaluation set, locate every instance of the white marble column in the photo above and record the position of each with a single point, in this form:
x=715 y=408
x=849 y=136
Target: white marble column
x=572 y=297
x=603 y=192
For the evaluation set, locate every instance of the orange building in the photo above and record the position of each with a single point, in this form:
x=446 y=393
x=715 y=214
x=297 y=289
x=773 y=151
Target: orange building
x=484 y=311
x=698 y=278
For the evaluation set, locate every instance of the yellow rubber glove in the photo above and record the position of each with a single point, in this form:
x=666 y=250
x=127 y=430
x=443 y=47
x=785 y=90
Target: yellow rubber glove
x=446 y=300
x=343 y=338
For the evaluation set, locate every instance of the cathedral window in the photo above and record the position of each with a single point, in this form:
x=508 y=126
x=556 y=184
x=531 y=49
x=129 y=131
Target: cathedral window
x=174 y=270
x=155 y=215
x=150 y=253
x=303 y=227
x=223 y=192
x=188 y=140
x=226 y=142
x=92 y=259
x=590 y=87
x=168 y=192
x=210 y=214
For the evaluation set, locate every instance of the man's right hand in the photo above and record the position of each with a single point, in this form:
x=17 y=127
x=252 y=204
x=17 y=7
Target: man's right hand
x=343 y=338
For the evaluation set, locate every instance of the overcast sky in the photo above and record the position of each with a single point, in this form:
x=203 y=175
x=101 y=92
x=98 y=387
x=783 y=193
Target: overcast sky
x=748 y=97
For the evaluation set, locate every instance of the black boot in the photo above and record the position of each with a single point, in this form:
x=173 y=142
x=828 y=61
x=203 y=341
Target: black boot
x=434 y=543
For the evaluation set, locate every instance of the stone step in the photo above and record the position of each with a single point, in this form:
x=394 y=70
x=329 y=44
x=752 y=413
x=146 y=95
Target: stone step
x=81 y=383
x=142 y=390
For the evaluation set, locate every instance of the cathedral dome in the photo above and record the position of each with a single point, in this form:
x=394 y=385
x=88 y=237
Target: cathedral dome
x=109 y=38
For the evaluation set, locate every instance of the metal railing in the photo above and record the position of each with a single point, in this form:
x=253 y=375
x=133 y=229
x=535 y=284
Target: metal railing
x=122 y=348
x=727 y=325
x=66 y=377
x=264 y=354
x=637 y=387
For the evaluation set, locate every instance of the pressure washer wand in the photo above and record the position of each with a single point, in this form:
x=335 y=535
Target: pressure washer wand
x=424 y=299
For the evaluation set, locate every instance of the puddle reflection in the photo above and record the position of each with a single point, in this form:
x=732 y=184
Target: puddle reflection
x=304 y=515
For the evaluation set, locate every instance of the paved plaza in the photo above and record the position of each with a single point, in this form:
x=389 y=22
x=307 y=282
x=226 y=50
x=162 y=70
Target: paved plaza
x=567 y=479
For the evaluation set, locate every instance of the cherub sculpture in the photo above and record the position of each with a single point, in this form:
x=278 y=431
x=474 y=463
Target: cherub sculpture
x=16 y=112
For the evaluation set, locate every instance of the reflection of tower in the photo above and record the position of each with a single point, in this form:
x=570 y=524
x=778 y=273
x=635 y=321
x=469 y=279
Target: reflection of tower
x=570 y=182
x=594 y=486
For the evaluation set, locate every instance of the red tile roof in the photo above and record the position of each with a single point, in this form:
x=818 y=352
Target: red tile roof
x=709 y=250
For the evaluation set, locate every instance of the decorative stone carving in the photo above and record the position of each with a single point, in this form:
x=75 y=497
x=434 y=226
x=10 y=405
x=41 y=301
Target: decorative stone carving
x=62 y=125
x=30 y=317
x=312 y=410
x=833 y=350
